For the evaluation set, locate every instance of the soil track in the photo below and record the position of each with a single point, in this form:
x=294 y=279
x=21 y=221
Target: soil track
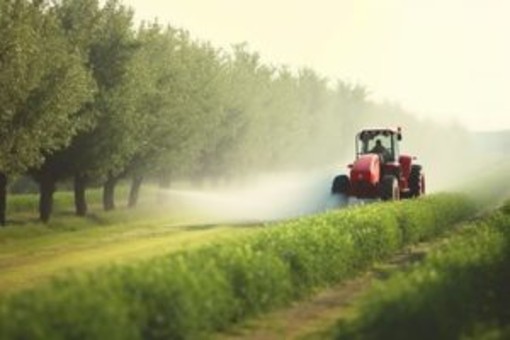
x=315 y=317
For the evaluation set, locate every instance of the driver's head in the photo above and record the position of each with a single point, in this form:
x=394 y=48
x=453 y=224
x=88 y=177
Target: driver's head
x=378 y=142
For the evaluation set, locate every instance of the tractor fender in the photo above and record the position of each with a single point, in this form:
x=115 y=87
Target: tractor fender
x=367 y=168
x=405 y=164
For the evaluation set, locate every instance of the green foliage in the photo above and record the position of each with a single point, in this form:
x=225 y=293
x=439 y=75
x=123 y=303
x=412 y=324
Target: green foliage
x=107 y=41
x=460 y=291
x=180 y=87
x=183 y=295
x=43 y=84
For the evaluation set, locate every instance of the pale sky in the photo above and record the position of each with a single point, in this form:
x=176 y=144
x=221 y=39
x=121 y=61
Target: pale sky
x=447 y=60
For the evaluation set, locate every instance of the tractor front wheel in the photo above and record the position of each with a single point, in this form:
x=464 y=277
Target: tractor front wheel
x=341 y=185
x=389 y=189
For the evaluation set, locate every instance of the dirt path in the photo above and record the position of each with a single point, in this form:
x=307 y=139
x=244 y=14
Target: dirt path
x=312 y=317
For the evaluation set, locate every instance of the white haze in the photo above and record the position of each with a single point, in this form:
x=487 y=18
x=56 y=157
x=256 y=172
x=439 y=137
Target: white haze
x=265 y=198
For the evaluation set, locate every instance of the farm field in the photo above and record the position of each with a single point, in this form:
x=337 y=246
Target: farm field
x=31 y=252
x=316 y=317
x=205 y=289
x=453 y=286
x=203 y=279
x=460 y=291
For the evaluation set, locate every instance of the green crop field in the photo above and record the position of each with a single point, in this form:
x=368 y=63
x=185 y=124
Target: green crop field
x=459 y=292
x=184 y=294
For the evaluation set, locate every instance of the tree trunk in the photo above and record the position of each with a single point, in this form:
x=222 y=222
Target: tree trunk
x=80 y=202
x=46 y=191
x=3 y=198
x=109 y=193
x=134 y=191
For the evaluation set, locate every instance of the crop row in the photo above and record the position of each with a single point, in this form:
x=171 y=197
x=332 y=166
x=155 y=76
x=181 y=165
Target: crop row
x=186 y=294
x=461 y=291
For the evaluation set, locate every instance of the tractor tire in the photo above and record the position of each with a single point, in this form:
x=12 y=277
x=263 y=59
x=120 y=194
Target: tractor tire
x=389 y=188
x=416 y=181
x=341 y=185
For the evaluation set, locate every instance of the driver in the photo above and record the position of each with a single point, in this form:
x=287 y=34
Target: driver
x=380 y=149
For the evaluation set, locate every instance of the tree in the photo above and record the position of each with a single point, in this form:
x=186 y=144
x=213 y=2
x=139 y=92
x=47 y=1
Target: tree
x=99 y=153
x=181 y=100
x=43 y=83
x=229 y=153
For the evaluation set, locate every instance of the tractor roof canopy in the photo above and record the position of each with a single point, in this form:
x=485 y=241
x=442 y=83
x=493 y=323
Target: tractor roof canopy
x=368 y=134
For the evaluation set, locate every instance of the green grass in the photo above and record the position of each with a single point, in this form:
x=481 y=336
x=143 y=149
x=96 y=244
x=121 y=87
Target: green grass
x=22 y=210
x=184 y=294
x=25 y=206
x=33 y=263
x=461 y=291
x=32 y=252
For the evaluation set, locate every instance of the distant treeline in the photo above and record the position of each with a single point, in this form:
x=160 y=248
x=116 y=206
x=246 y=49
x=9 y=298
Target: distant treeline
x=88 y=97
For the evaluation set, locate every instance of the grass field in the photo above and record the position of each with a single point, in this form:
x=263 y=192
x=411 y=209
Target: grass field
x=32 y=252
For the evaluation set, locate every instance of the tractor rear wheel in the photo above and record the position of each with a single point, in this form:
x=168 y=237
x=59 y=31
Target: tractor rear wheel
x=389 y=189
x=416 y=181
x=341 y=185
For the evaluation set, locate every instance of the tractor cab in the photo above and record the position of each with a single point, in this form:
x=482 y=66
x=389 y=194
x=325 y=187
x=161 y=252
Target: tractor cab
x=384 y=142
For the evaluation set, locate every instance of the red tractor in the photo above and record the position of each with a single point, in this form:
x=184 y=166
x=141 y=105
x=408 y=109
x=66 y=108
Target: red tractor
x=380 y=171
